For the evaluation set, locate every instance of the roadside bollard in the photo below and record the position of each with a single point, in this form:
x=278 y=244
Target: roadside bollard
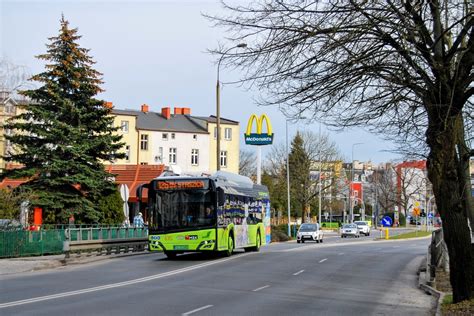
x=386 y=233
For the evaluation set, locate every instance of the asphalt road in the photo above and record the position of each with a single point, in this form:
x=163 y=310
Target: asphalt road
x=341 y=276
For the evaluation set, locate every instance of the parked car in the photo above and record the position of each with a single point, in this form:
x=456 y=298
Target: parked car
x=350 y=230
x=363 y=227
x=309 y=232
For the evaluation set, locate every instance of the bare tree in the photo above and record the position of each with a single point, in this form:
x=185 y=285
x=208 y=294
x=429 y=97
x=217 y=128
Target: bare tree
x=402 y=68
x=12 y=77
x=247 y=164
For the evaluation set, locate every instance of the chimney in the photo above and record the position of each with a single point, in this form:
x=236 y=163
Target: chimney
x=178 y=111
x=145 y=108
x=166 y=113
x=108 y=105
x=186 y=111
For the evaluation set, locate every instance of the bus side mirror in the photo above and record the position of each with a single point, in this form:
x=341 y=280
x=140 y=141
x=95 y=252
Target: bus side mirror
x=139 y=191
x=220 y=197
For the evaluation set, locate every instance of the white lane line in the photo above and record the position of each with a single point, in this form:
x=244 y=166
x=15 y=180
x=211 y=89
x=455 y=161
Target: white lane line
x=340 y=254
x=197 y=310
x=261 y=288
x=323 y=260
x=299 y=272
x=116 y=285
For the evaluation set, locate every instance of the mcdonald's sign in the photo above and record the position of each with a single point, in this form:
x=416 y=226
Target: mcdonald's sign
x=259 y=138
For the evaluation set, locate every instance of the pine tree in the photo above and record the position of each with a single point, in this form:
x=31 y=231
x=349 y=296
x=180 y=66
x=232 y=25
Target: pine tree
x=300 y=165
x=64 y=134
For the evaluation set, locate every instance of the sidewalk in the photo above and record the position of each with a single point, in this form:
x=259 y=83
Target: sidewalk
x=28 y=264
x=11 y=266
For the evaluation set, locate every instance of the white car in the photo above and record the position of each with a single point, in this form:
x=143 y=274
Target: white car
x=309 y=232
x=350 y=230
x=364 y=227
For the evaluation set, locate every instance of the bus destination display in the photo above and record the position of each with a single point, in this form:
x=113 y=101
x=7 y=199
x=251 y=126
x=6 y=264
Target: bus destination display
x=182 y=185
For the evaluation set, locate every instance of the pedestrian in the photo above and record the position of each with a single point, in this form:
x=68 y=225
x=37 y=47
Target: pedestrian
x=138 y=220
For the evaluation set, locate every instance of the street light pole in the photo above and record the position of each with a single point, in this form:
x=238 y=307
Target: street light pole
x=320 y=176
x=288 y=178
x=351 y=199
x=218 y=107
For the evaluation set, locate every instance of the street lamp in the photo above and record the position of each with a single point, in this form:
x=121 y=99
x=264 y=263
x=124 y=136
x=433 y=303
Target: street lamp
x=218 y=106
x=351 y=203
x=320 y=176
x=288 y=178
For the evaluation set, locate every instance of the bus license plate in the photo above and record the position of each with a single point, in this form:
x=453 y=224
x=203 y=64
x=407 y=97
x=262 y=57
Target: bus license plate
x=180 y=247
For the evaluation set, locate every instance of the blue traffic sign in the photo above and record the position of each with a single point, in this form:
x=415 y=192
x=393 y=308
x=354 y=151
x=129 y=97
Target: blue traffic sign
x=387 y=221
x=430 y=215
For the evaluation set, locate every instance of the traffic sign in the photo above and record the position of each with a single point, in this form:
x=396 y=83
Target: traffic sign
x=430 y=215
x=387 y=221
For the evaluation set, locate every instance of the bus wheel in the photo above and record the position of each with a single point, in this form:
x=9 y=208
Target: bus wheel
x=259 y=242
x=170 y=255
x=230 y=246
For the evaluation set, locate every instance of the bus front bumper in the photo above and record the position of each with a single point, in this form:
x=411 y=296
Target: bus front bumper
x=206 y=245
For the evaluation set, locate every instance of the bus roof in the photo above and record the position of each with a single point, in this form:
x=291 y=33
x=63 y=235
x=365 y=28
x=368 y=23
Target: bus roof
x=231 y=183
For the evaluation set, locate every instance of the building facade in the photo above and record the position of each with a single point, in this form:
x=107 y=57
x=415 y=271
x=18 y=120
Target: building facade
x=177 y=140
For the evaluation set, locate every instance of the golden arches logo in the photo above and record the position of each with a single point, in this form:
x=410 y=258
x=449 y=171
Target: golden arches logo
x=259 y=138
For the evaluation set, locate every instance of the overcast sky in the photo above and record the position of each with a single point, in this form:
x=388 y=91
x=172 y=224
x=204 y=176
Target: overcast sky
x=154 y=52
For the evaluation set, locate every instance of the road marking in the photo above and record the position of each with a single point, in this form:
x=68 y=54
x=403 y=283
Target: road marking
x=299 y=272
x=340 y=254
x=323 y=260
x=197 y=310
x=119 y=284
x=261 y=288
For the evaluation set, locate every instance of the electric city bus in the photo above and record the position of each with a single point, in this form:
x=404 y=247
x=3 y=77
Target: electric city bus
x=217 y=213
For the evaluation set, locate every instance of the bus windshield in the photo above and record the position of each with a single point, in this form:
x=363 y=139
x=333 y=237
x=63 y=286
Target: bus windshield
x=182 y=210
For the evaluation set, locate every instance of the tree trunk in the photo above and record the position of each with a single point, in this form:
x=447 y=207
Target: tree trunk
x=445 y=173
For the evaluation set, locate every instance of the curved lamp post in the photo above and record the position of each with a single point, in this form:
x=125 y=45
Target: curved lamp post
x=218 y=107
x=351 y=184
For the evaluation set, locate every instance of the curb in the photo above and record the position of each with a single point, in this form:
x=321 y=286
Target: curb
x=431 y=291
x=428 y=289
x=45 y=263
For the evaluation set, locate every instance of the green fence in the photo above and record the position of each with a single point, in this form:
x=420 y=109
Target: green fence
x=96 y=233
x=22 y=243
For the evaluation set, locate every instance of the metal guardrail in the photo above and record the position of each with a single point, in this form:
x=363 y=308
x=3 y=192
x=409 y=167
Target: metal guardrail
x=104 y=240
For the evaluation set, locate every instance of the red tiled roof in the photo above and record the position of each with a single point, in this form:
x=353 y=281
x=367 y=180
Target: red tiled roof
x=130 y=175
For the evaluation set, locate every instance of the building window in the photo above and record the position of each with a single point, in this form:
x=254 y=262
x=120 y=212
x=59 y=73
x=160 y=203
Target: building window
x=173 y=156
x=195 y=137
x=144 y=142
x=194 y=157
x=173 y=135
x=9 y=108
x=228 y=134
x=164 y=136
x=224 y=158
x=127 y=153
x=124 y=126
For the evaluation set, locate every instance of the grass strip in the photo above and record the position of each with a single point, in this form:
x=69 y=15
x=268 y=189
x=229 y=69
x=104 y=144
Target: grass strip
x=411 y=235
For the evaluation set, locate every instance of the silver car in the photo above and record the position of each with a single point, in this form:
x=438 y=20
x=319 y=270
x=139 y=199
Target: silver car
x=364 y=227
x=350 y=230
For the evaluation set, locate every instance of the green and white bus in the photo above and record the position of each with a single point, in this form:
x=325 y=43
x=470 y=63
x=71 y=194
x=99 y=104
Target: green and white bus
x=217 y=213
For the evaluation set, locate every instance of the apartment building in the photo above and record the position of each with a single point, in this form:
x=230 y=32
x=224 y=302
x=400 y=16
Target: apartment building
x=176 y=139
x=9 y=107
